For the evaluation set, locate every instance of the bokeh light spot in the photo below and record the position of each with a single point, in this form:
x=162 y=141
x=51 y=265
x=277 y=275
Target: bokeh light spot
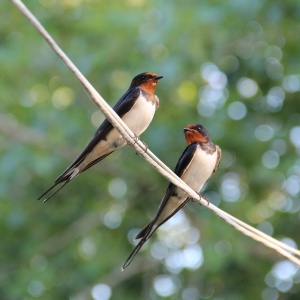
x=87 y=248
x=40 y=93
x=274 y=69
x=117 y=188
x=264 y=132
x=237 y=110
x=213 y=76
x=292 y=185
x=119 y=79
x=97 y=118
x=269 y=294
x=27 y=100
x=270 y=159
x=193 y=257
x=112 y=219
x=291 y=83
x=36 y=288
x=290 y=242
x=273 y=51
x=275 y=99
x=62 y=97
x=279 y=146
x=135 y=3
x=230 y=187
x=223 y=248
x=101 y=292
x=247 y=87
x=158 y=251
x=228 y=159
x=191 y=293
x=266 y=227
x=295 y=136
x=284 y=270
x=164 y=285
x=187 y=90
x=211 y=99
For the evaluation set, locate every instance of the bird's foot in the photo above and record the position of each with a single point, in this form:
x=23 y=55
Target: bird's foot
x=204 y=198
x=146 y=146
x=136 y=139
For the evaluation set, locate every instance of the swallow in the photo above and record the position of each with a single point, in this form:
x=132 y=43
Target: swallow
x=136 y=108
x=196 y=165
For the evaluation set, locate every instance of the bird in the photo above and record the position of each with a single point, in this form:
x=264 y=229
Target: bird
x=136 y=108
x=195 y=166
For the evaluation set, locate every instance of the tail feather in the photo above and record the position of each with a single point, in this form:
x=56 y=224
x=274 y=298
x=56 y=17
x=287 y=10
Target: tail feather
x=52 y=187
x=144 y=231
x=149 y=229
x=134 y=253
x=65 y=180
x=60 y=188
x=145 y=234
x=71 y=172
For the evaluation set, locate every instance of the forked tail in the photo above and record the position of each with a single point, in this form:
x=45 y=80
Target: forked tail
x=145 y=234
x=65 y=180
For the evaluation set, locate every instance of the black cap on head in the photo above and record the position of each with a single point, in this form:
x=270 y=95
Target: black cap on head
x=200 y=133
x=144 y=77
x=200 y=128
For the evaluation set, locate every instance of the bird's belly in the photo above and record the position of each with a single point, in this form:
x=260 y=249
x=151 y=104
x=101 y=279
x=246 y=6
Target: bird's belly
x=200 y=169
x=140 y=115
x=113 y=141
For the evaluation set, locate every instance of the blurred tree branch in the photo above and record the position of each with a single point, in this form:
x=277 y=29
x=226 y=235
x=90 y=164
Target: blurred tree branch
x=115 y=277
x=13 y=129
x=75 y=230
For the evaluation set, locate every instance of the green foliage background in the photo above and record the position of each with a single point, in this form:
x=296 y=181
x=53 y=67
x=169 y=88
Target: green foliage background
x=232 y=66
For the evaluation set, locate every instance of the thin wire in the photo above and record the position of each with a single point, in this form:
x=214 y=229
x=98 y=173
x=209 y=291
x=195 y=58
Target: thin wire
x=147 y=154
x=264 y=235
x=269 y=242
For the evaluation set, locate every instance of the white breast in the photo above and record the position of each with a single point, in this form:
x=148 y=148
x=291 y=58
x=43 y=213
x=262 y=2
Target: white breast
x=140 y=115
x=200 y=169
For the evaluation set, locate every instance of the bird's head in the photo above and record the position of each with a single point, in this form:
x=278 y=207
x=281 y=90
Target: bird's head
x=146 y=81
x=196 y=133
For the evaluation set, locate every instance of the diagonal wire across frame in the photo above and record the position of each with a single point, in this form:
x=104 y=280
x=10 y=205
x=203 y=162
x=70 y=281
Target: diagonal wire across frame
x=285 y=250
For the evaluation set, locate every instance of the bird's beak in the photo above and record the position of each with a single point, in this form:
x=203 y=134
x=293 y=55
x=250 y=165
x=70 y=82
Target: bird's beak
x=187 y=129
x=158 y=77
